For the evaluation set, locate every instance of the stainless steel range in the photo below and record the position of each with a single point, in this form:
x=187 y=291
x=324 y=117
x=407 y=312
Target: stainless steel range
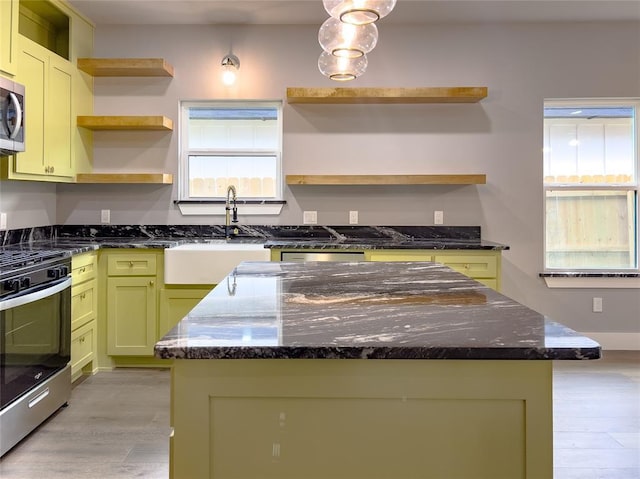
x=35 y=340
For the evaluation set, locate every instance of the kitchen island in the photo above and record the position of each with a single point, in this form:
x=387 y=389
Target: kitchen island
x=363 y=370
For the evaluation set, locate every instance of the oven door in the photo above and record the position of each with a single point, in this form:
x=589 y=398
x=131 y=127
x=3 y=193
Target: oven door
x=35 y=338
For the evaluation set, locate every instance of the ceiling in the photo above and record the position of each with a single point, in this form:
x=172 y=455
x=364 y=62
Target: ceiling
x=211 y=12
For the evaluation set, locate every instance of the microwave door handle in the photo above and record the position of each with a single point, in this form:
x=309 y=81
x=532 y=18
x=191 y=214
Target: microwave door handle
x=16 y=105
x=31 y=297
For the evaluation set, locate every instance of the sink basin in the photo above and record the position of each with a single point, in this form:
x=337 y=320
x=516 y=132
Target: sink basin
x=208 y=263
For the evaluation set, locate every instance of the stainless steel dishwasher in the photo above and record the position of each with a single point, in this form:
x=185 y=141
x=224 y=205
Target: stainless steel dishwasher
x=300 y=257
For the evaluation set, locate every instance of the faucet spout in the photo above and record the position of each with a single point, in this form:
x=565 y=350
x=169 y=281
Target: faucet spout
x=231 y=212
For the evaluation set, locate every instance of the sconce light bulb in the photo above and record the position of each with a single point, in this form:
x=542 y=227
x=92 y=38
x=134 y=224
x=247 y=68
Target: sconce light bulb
x=228 y=77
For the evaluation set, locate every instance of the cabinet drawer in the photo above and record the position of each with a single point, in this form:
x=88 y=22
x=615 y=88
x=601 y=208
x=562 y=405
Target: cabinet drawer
x=132 y=265
x=83 y=347
x=84 y=303
x=474 y=266
x=83 y=267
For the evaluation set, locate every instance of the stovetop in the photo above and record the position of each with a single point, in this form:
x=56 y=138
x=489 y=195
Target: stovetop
x=12 y=260
x=24 y=271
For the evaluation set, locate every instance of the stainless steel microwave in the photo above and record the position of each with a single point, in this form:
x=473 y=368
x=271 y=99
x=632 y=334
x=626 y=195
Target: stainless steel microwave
x=11 y=117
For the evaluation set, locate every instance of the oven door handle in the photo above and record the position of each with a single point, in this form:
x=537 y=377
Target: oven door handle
x=35 y=296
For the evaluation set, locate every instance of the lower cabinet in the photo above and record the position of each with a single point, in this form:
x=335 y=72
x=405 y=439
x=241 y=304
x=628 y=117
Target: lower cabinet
x=132 y=303
x=83 y=348
x=175 y=304
x=84 y=313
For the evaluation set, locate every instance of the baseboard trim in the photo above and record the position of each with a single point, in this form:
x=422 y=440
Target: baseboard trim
x=616 y=341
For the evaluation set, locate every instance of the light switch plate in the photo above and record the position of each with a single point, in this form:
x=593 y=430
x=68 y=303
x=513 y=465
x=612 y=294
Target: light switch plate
x=3 y=221
x=310 y=217
x=597 y=305
x=438 y=217
x=353 y=217
x=105 y=217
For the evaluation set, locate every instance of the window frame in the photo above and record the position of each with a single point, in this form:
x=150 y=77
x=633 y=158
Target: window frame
x=634 y=187
x=261 y=204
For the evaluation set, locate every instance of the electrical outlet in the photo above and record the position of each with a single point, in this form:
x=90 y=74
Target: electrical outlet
x=438 y=217
x=597 y=305
x=105 y=217
x=3 y=221
x=310 y=217
x=353 y=217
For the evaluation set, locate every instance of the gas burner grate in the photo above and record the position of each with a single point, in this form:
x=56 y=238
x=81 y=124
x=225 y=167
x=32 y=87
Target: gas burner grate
x=20 y=259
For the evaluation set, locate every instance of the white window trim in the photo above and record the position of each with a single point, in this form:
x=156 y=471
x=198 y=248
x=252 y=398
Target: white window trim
x=570 y=280
x=213 y=206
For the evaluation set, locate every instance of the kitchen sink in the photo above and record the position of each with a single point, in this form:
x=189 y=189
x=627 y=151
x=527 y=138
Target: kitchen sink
x=209 y=262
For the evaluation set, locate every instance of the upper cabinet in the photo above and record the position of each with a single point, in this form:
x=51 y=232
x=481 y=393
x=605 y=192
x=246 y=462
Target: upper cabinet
x=49 y=36
x=9 y=36
x=125 y=67
x=386 y=95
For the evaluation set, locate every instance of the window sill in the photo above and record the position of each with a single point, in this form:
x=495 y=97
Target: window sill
x=216 y=207
x=604 y=279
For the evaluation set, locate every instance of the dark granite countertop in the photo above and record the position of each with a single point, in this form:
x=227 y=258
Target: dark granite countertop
x=417 y=310
x=77 y=239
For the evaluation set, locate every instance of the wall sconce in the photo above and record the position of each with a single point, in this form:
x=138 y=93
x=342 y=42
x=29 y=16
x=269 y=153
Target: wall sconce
x=359 y=12
x=342 y=68
x=346 y=40
x=230 y=67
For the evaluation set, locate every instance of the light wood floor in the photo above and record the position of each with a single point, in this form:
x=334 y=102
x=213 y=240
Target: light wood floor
x=117 y=426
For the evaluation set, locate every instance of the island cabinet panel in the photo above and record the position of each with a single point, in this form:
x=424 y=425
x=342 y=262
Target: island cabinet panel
x=360 y=419
x=84 y=314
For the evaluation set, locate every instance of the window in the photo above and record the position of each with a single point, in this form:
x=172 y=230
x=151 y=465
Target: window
x=227 y=143
x=591 y=178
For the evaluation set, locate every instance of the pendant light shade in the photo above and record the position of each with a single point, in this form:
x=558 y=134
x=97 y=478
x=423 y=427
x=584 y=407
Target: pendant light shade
x=346 y=40
x=359 y=12
x=341 y=68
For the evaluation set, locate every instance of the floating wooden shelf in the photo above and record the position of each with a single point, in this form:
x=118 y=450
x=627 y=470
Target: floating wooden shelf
x=387 y=95
x=125 y=67
x=386 y=179
x=148 y=178
x=125 y=122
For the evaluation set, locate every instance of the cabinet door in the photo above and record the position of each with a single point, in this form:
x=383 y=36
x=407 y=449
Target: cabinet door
x=175 y=304
x=58 y=119
x=8 y=36
x=83 y=348
x=47 y=79
x=131 y=315
x=84 y=303
x=32 y=74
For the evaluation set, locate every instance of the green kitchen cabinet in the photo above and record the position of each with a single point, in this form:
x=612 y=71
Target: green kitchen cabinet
x=84 y=313
x=48 y=82
x=131 y=303
x=9 y=36
x=175 y=304
x=482 y=265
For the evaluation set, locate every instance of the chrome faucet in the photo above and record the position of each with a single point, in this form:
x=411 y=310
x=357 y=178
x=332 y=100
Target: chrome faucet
x=229 y=218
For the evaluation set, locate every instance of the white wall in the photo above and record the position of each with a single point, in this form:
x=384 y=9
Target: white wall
x=501 y=136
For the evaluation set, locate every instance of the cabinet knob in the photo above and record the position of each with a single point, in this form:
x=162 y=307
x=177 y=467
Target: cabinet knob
x=130 y=264
x=151 y=283
x=466 y=266
x=83 y=269
x=81 y=340
x=52 y=169
x=83 y=295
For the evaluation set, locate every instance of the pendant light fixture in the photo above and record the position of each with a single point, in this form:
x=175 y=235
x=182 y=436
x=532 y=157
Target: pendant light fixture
x=342 y=68
x=230 y=67
x=346 y=40
x=359 y=12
